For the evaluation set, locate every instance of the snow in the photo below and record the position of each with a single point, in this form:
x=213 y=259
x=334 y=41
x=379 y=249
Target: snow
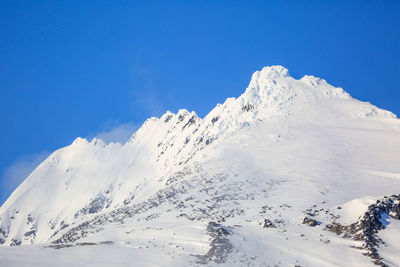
x=350 y=212
x=390 y=251
x=283 y=147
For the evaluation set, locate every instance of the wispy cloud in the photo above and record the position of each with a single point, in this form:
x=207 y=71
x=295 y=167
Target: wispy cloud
x=150 y=102
x=16 y=173
x=117 y=133
x=144 y=92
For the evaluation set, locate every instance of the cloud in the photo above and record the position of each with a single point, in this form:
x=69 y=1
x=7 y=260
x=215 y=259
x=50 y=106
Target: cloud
x=116 y=133
x=150 y=102
x=144 y=93
x=16 y=173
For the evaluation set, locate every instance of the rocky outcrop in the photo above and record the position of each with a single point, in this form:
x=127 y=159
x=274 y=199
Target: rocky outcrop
x=268 y=224
x=310 y=222
x=220 y=246
x=367 y=228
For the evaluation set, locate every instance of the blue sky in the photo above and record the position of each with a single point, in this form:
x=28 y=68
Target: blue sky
x=100 y=68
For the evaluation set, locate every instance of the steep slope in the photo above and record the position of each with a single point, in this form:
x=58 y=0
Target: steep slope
x=269 y=170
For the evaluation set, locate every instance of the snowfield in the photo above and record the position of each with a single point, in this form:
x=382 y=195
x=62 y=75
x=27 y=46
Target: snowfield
x=290 y=173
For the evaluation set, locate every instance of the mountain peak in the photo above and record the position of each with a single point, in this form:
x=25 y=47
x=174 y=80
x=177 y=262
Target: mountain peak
x=302 y=146
x=268 y=85
x=271 y=72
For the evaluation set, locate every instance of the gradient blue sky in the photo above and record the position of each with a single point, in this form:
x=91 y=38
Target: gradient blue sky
x=87 y=68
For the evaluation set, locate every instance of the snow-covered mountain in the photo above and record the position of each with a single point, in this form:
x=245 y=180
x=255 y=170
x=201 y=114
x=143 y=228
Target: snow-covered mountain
x=292 y=172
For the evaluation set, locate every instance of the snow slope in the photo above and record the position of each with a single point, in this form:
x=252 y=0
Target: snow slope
x=231 y=188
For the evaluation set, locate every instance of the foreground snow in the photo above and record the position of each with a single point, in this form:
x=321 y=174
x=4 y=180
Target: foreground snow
x=232 y=188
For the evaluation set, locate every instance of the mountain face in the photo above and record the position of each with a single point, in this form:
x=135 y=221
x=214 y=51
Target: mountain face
x=292 y=172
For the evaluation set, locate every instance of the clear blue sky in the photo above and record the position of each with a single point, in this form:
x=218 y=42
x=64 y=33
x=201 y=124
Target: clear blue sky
x=80 y=68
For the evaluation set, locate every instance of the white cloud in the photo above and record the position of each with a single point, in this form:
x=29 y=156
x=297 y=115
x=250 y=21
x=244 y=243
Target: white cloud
x=151 y=103
x=14 y=174
x=119 y=133
x=146 y=97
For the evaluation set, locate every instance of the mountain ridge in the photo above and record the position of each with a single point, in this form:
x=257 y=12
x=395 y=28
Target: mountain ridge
x=268 y=145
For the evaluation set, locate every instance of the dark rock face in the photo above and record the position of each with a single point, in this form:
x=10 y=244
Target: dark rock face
x=220 y=246
x=190 y=122
x=59 y=246
x=30 y=233
x=3 y=236
x=310 y=222
x=129 y=199
x=367 y=228
x=395 y=212
x=15 y=242
x=248 y=107
x=168 y=118
x=268 y=224
x=96 y=204
x=3 y=232
x=29 y=219
x=208 y=201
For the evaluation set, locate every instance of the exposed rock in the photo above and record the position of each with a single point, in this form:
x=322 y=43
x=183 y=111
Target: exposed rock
x=15 y=242
x=29 y=219
x=367 y=228
x=58 y=246
x=187 y=140
x=3 y=232
x=97 y=204
x=167 y=118
x=190 y=122
x=180 y=118
x=395 y=211
x=30 y=234
x=215 y=119
x=310 y=222
x=268 y=224
x=248 y=107
x=129 y=199
x=220 y=246
x=86 y=244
